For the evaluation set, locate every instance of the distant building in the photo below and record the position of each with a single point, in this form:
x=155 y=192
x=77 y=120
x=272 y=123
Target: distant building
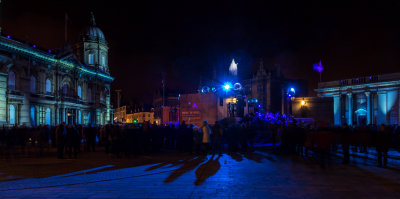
x=166 y=107
x=141 y=117
x=71 y=85
x=268 y=91
x=364 y=100
x=120 y=114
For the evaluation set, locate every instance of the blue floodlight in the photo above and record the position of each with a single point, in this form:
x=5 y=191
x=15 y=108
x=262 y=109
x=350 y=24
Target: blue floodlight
x=292 y=90
x=227 y=86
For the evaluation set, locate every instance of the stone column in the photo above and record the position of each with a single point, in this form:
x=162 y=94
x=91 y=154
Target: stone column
x=57 y=116
x=337 y=115
x=368 y=95
x=350 y=109
x=382 y=110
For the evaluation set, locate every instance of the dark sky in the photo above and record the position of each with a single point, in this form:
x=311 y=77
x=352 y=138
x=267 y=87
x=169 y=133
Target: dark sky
x=187 y=40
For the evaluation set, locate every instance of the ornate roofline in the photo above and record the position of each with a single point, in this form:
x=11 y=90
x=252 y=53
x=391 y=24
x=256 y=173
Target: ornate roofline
x=20 y=48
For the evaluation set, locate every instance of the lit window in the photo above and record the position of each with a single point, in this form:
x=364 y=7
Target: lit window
x=103 y=60
x=33 y=84
x=91 y=58
x=79 y=117
x=33 y=122
x=48 y=87
x=11 y=80
x=12 y=114
x=48 y=116
x=79 y=92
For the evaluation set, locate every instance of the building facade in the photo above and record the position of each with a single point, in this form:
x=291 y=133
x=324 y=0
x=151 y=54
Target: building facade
x=269 y=90
x=71 y=85
x=364 y=100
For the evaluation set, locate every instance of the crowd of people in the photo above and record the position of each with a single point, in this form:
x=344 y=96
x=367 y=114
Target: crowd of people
x=224 y=136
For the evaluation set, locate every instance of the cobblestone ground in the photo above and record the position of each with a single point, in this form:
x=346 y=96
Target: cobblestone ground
x=262 y=174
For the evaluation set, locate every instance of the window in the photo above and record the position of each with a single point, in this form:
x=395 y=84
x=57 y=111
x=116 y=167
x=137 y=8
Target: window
x=33 y=84
x=42 y=115
x=79 y=92
x=11 y=80
x=89 y=118
x=79 y=117
x=260 y=89
x=48 y=117
x=65 y=89
x=91 y=58
x=33 y=122
x=48 y=87
x=12 y=114
x=103 y=60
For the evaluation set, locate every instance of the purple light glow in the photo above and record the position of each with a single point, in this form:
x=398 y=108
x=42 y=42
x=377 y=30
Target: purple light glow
x=49 y=51
x=34 y=46
x=318 y=67
x=8 y=36
x=194 y=105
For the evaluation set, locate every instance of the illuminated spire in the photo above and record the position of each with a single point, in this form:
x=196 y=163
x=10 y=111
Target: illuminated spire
x=233 y=68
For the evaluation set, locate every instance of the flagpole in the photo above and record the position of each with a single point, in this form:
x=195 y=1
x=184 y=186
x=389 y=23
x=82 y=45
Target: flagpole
x=320 y=76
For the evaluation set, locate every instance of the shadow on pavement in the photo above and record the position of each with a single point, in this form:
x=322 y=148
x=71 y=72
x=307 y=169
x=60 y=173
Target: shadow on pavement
x=236 y=156
x=207 y=170
x=258 y=157
x=187 y=166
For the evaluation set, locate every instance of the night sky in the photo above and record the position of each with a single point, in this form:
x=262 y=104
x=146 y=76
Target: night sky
x=188 y=40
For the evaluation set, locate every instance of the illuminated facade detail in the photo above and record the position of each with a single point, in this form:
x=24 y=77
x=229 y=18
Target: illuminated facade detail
x=364 y=100
x=233 y=68
x=44 y=87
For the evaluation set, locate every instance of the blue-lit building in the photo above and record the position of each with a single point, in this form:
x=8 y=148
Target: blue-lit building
x=71 y=84
x=364 y=100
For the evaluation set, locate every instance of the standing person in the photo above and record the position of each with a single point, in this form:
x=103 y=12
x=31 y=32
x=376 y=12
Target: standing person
x=61 y=132
x=206 y=136
x=217 y=137
x=91 y=138
x=383 y=142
